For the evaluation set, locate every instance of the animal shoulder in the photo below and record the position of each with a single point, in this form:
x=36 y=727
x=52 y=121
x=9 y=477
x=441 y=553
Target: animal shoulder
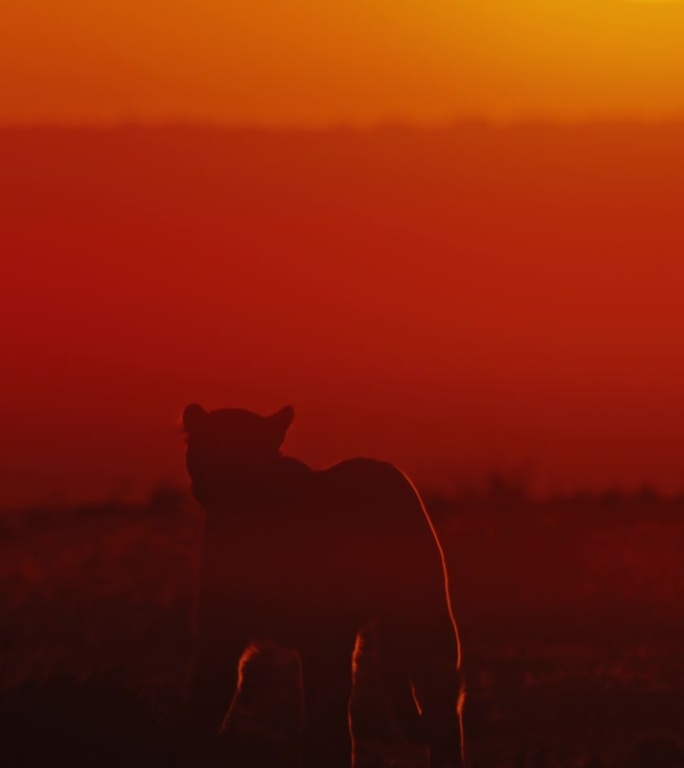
x=363 y=470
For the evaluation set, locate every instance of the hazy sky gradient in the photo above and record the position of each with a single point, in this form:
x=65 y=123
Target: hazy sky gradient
x=456 y=301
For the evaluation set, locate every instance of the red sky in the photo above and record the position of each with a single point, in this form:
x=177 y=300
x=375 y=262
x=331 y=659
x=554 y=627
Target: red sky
x=454 y=300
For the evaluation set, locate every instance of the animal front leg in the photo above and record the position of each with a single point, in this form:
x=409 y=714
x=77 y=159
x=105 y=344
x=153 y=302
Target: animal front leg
x=263 y=725
x=214 y=684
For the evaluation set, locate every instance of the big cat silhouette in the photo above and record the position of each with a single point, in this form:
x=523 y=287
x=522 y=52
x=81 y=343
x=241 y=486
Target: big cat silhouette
x=309 y=559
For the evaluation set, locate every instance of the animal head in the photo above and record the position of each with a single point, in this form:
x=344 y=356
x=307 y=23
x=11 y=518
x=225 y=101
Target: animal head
x=229 y=446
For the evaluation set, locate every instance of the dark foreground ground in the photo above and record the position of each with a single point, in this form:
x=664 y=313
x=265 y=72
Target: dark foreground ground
x=570 y=613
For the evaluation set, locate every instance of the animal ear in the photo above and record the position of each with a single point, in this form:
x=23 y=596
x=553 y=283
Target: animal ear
x=193 y=416
x=282 y=418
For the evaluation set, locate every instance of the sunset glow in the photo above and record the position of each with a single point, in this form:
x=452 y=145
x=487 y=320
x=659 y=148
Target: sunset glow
x=304 y=62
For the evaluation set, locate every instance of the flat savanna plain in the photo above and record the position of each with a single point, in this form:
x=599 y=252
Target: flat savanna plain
x=570 y=613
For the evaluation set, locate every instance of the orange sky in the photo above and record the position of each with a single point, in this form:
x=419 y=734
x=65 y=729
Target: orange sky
x=307 y=61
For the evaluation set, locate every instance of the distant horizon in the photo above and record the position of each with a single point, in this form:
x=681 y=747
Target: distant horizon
x=482 y=489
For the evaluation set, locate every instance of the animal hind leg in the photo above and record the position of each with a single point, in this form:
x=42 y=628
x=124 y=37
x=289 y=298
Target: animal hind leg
x=386 y=725
x=326 y=674
x=374 y=716
x=436 y=677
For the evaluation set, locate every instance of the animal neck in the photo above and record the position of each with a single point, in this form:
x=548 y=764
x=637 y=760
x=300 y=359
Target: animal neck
x=266 y=483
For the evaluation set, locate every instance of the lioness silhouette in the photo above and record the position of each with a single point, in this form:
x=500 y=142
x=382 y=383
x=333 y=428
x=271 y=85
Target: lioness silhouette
x=308 y=559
